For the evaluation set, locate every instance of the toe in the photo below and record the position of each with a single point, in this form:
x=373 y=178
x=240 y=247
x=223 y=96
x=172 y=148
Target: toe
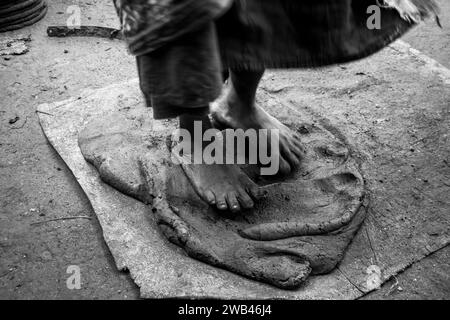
x=296 y=137
x=290 y=156
x=210 y=197
x=251 y=187
x=297 y=151
x=285 y=168
x=233 y=202
x=299 y=147
x=296 y=148
x=245 y=200
x=256 y=192
x=221 y=203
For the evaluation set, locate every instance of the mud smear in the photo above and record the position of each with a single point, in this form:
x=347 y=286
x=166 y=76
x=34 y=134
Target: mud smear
x=302 y=228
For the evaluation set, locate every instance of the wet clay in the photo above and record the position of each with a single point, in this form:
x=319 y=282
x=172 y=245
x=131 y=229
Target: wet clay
x=301 y=228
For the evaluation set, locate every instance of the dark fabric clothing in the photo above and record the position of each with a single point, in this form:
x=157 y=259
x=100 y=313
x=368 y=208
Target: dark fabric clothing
x=183 y=45
x=255 y=34
x=150 y=24
x=185 y=75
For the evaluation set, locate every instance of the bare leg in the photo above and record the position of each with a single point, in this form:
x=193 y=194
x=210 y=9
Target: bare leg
x=221 y=185
x=236 y=108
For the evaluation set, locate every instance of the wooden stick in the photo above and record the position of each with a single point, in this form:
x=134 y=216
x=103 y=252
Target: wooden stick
x=63 y=218
x=84 y=31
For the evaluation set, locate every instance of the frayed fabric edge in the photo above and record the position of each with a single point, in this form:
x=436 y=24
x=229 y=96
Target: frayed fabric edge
x=238 y=62
x=412 y=11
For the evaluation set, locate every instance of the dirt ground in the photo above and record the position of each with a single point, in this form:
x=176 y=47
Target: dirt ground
x=36 y=186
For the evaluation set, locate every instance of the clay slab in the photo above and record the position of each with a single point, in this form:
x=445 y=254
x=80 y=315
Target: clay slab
x=386 y=106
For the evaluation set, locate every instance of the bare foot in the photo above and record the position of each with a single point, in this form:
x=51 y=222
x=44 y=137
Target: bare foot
x=231 y=112
x=225 y=186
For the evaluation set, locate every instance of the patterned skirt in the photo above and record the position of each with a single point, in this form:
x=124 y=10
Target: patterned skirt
x=186 y=43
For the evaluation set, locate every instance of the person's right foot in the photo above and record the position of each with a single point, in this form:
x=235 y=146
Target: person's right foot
x=225 y=186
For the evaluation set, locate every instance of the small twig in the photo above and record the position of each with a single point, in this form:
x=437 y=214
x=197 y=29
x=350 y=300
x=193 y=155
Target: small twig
x=85 y=31
x=63 y=218
x=393 y=287
x=438 y=21
x=43 y=112
x=370 y=244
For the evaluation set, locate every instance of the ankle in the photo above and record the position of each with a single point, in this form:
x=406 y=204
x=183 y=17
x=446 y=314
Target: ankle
x=235 y=106
x=188 y=122
x=195 y=125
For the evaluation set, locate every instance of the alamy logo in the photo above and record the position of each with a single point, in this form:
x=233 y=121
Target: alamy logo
x=74 y=280
x=374 y=20
x=228 y=147
x=74 y=20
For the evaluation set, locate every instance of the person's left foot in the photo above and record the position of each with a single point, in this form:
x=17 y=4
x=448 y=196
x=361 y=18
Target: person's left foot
x=228 y=111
